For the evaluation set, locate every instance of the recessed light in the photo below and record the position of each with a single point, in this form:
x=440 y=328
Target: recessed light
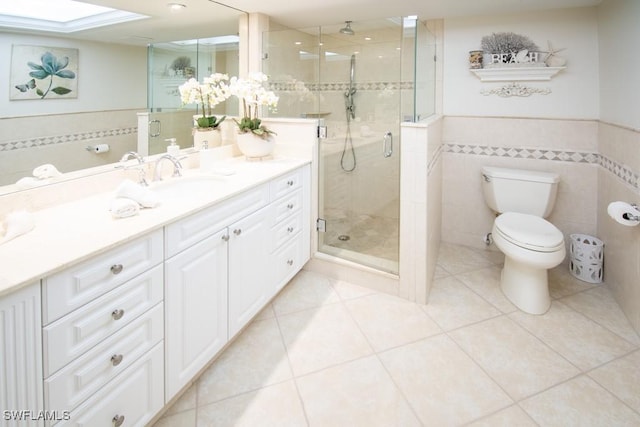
x=367 y=38
x=176 y=7
x=298 y=43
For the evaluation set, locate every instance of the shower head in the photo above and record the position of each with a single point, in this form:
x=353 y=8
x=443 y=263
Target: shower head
x=347 y=30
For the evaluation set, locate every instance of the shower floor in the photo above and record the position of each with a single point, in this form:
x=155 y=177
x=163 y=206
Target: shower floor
x=372 y=235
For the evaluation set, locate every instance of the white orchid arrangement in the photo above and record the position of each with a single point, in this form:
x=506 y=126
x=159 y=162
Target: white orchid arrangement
x=253 y=95
x=210 y=93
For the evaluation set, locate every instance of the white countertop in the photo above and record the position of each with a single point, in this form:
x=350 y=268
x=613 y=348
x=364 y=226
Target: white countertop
x=72 y=232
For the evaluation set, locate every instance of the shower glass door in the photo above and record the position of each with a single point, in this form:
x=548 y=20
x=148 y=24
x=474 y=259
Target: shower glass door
x=359 y=94
x=354 y=85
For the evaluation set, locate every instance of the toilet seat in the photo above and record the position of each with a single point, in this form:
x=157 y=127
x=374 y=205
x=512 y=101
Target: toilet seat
x=529 y=232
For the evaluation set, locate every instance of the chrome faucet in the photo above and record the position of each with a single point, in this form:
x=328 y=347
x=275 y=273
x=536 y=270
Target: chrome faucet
x=142 y=179
x=132 y=154
x=177 y=167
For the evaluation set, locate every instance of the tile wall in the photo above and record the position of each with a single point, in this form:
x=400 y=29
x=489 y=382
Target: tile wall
x=598 y=163
x=567 y=147
x=619 y=179
x=62 y=139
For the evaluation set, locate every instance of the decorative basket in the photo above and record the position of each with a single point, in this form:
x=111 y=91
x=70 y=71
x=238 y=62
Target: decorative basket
x=586 y=256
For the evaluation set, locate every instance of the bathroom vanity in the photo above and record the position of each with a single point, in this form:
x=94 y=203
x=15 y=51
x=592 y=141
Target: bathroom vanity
x=115 y=317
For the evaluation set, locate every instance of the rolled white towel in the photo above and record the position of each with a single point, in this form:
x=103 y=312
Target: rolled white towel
x=122 y=207
x=16 y=224
x=46 y=171
x=142 y=195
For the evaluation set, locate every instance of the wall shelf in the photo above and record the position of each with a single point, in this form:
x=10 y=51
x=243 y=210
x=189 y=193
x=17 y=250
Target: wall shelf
x=512 y=74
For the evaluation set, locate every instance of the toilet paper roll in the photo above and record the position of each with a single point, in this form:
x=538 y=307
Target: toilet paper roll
x=101 y=148
x=623 y=213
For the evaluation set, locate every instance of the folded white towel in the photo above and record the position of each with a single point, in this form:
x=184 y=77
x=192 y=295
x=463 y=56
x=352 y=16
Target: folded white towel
x=46 y=171
x=16 y=224
x=142 y=195
x=31 y=182
x=122 y=207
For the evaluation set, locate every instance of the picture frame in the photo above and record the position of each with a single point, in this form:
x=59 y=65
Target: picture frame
x=41 y=72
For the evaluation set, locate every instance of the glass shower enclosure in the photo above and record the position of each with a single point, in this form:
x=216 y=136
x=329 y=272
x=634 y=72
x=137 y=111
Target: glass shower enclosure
x=360 y=80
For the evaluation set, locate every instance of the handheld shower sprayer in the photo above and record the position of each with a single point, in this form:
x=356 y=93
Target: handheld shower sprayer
x=348 y=95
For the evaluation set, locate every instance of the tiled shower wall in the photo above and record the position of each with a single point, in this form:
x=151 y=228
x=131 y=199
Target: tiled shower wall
x=62 y=140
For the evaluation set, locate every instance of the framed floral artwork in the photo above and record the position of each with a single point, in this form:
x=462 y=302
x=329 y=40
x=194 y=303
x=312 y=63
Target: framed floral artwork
x=39 y=72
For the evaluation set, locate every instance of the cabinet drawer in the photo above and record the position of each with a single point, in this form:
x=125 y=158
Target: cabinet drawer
x=287 y=206
x=68 y=290
x=185 y=233
x=71 y=336
x=286 y=184
x=287 y=262
x=132 y=397
x=285 y=230
x=89 y=373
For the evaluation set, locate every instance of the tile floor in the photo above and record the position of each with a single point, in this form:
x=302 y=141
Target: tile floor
x=329 y=353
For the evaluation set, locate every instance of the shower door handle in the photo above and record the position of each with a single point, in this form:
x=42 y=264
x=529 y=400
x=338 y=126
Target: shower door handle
x=387 y=144
x=158 y=128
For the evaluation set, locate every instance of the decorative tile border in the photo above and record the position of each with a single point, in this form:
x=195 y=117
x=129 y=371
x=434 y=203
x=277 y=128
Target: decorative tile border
x=337 y=86
x=627 y=175
x=61 y=139
x=621 y=171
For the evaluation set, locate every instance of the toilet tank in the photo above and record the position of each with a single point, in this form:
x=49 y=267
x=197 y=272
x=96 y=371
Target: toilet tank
x=518 y=190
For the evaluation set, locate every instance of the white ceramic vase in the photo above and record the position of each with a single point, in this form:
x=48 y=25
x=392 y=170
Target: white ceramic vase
x=212 y=136
x=253 y=146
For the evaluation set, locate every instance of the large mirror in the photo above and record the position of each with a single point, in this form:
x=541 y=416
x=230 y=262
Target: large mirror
x=121 y=70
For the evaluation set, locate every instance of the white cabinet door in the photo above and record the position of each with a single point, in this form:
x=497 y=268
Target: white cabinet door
x=195 y=309
x=249 y=277
x=21 y=357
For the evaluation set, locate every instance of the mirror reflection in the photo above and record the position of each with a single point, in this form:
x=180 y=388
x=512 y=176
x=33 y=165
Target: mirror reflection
x=120 y=87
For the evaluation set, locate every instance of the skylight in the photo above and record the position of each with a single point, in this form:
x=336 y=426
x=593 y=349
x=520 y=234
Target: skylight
x=64 y=16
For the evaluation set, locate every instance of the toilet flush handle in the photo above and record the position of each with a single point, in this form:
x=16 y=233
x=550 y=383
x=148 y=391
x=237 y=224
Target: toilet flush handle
x=486 y=178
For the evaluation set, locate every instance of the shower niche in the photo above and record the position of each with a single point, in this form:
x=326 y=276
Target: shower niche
x=360 y=80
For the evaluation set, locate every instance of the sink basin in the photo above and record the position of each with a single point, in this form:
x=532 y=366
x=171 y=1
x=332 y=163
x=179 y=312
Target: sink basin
x=185 y=187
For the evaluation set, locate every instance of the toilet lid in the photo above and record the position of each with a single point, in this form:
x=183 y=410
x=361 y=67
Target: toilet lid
x=529 y=231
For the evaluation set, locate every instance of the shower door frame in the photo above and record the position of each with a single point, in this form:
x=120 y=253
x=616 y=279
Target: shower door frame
x=372 y=151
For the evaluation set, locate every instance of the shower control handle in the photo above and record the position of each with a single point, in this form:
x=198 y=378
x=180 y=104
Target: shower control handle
x=387 y=144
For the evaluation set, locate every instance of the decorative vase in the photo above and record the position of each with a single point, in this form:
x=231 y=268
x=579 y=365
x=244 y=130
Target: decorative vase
x=253 y=146
x=212 y=136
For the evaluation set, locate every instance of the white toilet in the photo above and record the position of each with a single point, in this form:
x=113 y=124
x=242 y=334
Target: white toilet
x=531 y=244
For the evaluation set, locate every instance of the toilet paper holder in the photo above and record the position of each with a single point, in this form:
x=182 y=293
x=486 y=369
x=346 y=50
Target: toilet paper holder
x=624 y=213
x=630 y=216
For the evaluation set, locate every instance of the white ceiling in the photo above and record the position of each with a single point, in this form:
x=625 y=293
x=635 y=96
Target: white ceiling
x=204 y=18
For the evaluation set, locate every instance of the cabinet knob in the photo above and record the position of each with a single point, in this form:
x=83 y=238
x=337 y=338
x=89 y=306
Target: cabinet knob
x=116 y=359
x=117 y=314
x=225 y=237
x=290 y=262
x=290 y=206
x=290 y=229
x=290 y=183
x=117 y=420
x=237 y=231
x=116 y=268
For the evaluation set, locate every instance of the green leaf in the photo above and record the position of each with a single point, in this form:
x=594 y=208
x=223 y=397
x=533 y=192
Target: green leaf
x=203 y=122
x=60 y=90
x=39 y=92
